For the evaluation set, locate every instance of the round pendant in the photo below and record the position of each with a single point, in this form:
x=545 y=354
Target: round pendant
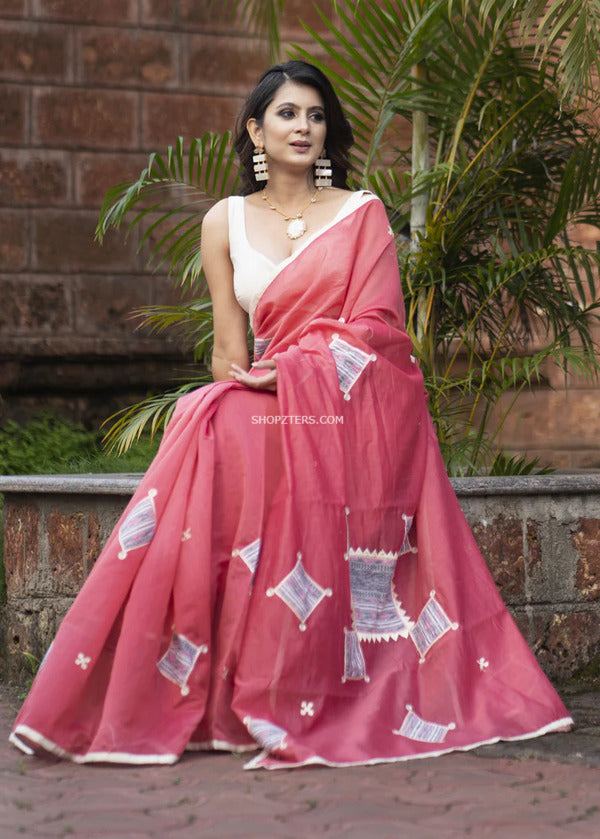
x=296 y=228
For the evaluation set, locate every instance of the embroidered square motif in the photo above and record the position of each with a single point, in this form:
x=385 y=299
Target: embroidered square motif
x=378 y=615
x=249 y=554
x=354 y=660
x=138 y=528
x=431 y=625
x=416 y=728
x=179 y=661
x=260 y=347
x=349 y=362
x=406 y=546
x=267 y=734
x=300 y=592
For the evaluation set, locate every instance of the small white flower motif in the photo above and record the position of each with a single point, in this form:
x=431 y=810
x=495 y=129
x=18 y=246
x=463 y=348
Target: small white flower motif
x=390 y=231
x=307 y=709
x=82 y=661
x=483 y=663
x=187 y=534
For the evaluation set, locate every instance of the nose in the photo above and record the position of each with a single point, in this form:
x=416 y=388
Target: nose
x=303 y=123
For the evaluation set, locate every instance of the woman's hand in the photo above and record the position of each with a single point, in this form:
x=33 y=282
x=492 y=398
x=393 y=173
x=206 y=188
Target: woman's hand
x=266 y=382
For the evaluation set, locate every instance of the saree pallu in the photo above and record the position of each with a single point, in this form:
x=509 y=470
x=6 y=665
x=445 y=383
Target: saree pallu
x=294 y=573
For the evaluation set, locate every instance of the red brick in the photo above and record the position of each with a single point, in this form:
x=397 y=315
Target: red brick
x=106 y=11
x=65 y=533
x=546 y=419
x=20 y=547
x=32 y=178
x=159 y=11
x=105 y=304
x=566 y=642
x=13 y=114
x=297 y=12
x=77 y=118
x=213 y=15
x=206 y=69
x=64 y=242
x=31 y=52
x=96 y=172
x=13 y=8
x=501 y=543
x=122 y=58
x=14 y=229
x=587 y=544
x=166 y=116
x=30 y=305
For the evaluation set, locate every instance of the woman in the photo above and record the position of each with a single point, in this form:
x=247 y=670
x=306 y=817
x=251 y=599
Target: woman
x=294 y=572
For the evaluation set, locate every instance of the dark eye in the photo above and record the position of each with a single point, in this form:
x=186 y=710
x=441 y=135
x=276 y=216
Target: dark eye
x=287 y=113
x=318 y=116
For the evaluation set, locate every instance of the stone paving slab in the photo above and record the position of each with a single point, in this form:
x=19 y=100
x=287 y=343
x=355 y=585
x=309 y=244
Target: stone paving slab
x=496 y=791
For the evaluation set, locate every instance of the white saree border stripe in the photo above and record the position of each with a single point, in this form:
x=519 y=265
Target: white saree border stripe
x=349 y=362
x=138 y=760
x=91 y=757
x=300 y=593
x=139 y=526
x=432 y=624
x=255 y=763
x=221 y=746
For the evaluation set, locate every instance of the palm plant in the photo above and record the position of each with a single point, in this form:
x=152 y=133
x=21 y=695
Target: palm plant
x=504 y=162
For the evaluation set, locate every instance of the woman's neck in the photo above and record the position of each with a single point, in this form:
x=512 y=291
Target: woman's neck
x=288 y=190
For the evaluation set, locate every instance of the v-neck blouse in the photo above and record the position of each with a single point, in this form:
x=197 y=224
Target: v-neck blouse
x=253 y=271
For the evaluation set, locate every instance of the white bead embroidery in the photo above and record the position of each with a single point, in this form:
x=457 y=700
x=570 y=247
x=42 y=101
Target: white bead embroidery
x=307 y=709
x=82 y=661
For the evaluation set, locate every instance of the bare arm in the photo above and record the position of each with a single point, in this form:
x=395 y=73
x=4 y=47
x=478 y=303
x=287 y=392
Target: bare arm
x=230 y=320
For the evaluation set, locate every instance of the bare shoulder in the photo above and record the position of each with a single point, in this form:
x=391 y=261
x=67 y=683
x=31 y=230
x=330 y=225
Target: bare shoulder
x=334 y=196
x=215 y=223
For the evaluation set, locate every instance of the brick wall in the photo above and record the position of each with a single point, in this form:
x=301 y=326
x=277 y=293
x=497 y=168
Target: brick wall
x=87 y=89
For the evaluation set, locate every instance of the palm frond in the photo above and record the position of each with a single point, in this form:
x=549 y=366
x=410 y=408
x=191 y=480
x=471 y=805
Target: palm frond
x=152 y=414
x=169 y=198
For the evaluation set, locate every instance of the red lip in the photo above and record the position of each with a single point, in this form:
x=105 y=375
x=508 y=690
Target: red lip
x=301 y=145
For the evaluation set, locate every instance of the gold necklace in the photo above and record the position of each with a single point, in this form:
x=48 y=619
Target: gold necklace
x=297 y=225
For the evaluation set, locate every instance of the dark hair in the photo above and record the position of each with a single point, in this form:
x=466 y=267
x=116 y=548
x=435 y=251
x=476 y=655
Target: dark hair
x=339 y=136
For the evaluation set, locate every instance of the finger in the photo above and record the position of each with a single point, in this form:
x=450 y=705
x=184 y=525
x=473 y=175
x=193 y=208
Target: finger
x=267 y=362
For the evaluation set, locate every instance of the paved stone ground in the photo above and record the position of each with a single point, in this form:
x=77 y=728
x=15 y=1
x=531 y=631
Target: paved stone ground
x=548 y=787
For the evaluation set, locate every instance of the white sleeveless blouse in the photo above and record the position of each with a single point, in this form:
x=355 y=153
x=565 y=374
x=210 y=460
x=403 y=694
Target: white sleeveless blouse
x=253 y=271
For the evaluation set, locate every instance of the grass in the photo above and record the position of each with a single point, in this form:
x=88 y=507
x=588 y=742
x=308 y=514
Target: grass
x=50 y=445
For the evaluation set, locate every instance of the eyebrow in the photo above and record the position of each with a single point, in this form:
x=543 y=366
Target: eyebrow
x=294 y=105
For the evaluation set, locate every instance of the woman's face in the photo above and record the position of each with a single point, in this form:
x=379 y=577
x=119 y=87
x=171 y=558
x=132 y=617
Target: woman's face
x=293 y=130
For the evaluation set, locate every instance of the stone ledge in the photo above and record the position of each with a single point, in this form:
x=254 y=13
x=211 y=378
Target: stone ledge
x=126 y=483
x=540 y=536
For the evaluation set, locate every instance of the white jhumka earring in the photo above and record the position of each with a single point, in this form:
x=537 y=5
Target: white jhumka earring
x=323 y=171
x=261 y=168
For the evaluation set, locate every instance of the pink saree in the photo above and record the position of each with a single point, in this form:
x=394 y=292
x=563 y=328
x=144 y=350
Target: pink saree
x=294 y=573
